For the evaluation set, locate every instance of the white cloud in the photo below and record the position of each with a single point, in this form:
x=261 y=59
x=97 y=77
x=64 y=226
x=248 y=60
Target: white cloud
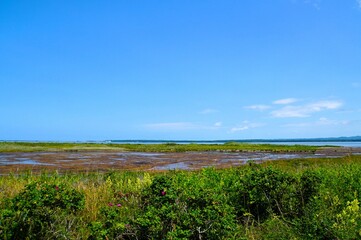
x=237 y=129
x=305 y=110
x=326 y=121
x=208 y=111
x=246 y=125
x=290 y=111
x=258 y=107
x=359 y=3
x=285 y=101
x=218 y=124
x=321 y=105
x=320 y=122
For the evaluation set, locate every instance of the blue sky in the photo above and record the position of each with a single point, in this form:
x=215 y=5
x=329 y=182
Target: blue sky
x=230 y=69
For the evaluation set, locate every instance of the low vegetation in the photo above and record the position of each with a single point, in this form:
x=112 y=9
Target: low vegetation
x=293 y=199
x=166 y=147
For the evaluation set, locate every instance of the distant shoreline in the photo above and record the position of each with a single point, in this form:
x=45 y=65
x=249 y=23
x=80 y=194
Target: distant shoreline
x=217 y=141
x=336 y=141
x=258 y=140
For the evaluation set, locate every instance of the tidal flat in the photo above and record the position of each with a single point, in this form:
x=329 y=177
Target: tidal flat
x=16 y=157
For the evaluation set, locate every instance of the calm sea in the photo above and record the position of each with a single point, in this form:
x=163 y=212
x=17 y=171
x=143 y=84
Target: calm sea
x=341 y=144
x=288 y=142
x=353 y=143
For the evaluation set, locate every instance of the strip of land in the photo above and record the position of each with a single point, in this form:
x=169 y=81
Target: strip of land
x=167 y=147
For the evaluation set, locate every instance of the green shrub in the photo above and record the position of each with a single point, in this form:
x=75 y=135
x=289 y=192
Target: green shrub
x=112 y=225
x=266 y=191
x=275 y=228
x=309 y=185
x=333 y=210
x=116 y=219
x=300 y=199
x=186 y=207
x=38 y=209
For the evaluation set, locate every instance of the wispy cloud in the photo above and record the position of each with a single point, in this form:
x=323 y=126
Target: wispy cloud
x=246 y=125
x=320 y=122
x=208 y=111
x=237 y=129
x=258 y=107
x=359 y=3
x=326 y=121
x=218 y=124
x=285 y=101
x=305 y=110
x=181 y=126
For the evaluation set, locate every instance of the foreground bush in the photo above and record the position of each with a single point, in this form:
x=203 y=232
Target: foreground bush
x=312 y=199
x=186 y=207
x=41 y=210
x=264 y=192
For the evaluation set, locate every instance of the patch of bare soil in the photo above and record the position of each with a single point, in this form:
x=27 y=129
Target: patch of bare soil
x=105 y=161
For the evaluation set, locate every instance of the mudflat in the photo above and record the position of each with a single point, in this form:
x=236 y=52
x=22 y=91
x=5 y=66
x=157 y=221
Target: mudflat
x=89 y=161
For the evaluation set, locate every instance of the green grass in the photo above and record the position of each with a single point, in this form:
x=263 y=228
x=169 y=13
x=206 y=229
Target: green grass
x=170 y=147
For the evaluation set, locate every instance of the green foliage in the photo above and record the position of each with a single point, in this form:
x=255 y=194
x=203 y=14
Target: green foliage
x=309 y=185
x=276 y=228
x=333 y=213
x=51 y=195
x=264 y=192
x=299 y=199
x=116 y=217
x=187 y=207
x=38 y=208
x=347 y=222
x=112 y=224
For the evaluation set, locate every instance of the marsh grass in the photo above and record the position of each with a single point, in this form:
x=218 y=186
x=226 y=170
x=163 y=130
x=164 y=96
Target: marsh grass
x=231 y=147
x=300 y=165
x=10 y=186
x=55 y=147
